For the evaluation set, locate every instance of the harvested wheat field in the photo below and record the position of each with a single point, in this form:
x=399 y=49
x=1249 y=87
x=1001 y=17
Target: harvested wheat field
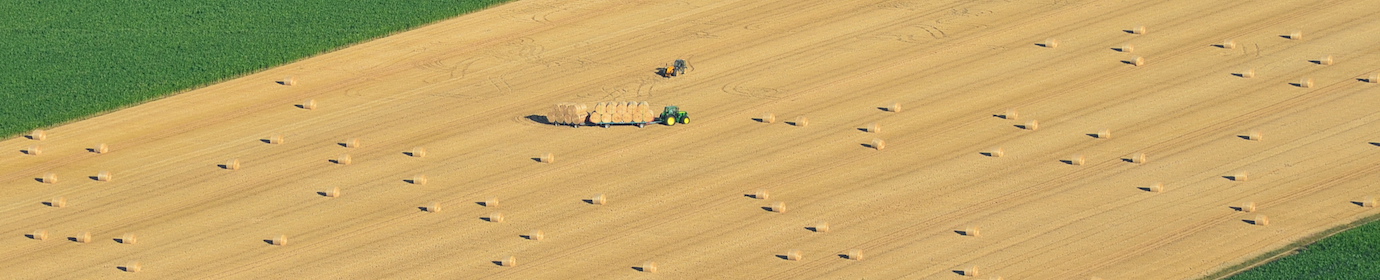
x=473 y=90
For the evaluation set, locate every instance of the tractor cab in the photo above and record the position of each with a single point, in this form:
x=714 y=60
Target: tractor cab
x=672 y=114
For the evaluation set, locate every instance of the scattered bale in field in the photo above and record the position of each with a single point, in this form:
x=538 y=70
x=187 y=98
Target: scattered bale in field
x=37 y=134
x=510 y=261
x=416 y=152
x=491 y=202
x=1031 y=125
x=233 y=164
x=820 y=227
x=128 y=238
x=310 y=104
x=1374 y=78
x=84 y=237
x=1326 y=60
x=895 y=107
x=49 y=178
x=1011 y=114
x=1138 y=30
x=1253 y=135
x=1075 y=160
x=1245 y=207
x=40 y=235
x=1368 y=201
x=974 y=231
x=1259 y=220
x=1135 y=61
x=598 y=199
x=1126 y=48
x=793 y=255
x=418 y=179
x=854 y=255
x=432 y=207
x=535 y=235
x=342 y=160
x=33 y=150
x=350 y=143
x=100 y=149
x=275 y=139
x=1103 y=134
x=1049 y=43
x=878 y=144
x=1137 y=158
x=778 y=207
x=1228 y=44
x=1303 y=83
x=1249 y=73
x=1157 y=187
x=801 y=121
x=1296 y=35
x=58 y=202
x=767 y=118
x=547 y=158
x=132 y=267
x=333 y=192
x=873 y=128
x=760 y=194
x=648 y=267
x=495 y=217
x=994 y=152
x=289 y=81
x=970 y=271
x=280 y=240
x=1238 y=176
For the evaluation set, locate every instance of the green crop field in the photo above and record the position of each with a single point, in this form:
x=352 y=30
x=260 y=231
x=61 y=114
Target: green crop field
x=1350 y=254
x=67 y=60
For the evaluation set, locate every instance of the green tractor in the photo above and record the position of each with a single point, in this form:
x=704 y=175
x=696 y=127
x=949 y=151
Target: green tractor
x=673 y=114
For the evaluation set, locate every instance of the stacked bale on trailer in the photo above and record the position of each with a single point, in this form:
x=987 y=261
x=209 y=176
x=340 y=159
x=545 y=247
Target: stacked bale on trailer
x=569 y=114
x=603 y=113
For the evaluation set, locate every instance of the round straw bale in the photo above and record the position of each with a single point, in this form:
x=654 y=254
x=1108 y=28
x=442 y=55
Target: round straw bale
x=1326 y=60
x=598 y=199
x=801 y=121
x=275 y=139
x=972 y=231
x=432 y=207
x=794 y=255
x=1104 y=133
x=333 y=192
x=1051 y=43
x=101 y=148
x=58 y=202
x=351 y=143
x=601 y=107
x=510 y=261
x=289 y=81
x=547 y=158
x=895 y=107
x=104 y=176
x=1260 y=220
x=1138 y=30
x=821 y=227
x=49 y=178
x=768 y=118
x=419 y=179
x=873 y=128
x=310 y=104
x=1305 y=83
x=1138 y=158
x=233 y=164
x=495 y=217
x=280 y=240
x=1254 y=135
x=854 y=254
x=778 y=207
x=761 y=194
x=648 y=267
x=1296 y=35
x=1011 y=114
x=129 y=238
x=1374 y=78
x=1077 y=160
x=39 y=235
x=1032 y=125
x=491 y=202
x=33 y=150
x=1247 y=207
x=1126 y=48
x=84 y=237
x=878 y=144
x=132 y=267
x=417 y=152
x=1157 y=187
x=536 y=235
x=1368 y=201
x=1249 y=73
x=38 y=134
x=1137 y=61
x=343 y=160
x=1228 y=44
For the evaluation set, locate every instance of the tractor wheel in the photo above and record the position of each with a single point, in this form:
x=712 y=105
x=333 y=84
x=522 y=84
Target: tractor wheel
x=685 y=120
x=670 y=121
